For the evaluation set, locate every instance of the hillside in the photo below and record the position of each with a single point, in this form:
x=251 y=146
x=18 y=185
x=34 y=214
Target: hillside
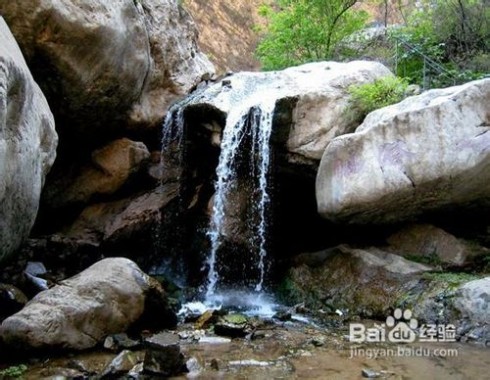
x=226 y=32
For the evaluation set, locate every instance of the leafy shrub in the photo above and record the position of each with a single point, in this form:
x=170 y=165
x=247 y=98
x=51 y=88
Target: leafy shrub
x=13 y=372
x=380 y=93
x=444 y=42
x=300 y=31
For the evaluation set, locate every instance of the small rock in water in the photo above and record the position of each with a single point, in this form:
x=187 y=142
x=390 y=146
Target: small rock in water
x=193 y=367
x=283 y=316
x=250 y=363
x=233 y=325
x=205 y=320
x=214 y=364
x=121 y=365
x=214 y=340
x=117 y=341
x=192 y=335
x=135 y=372
x=163 y=356
x=79 y=366
x=370 y=373
x=318 y=341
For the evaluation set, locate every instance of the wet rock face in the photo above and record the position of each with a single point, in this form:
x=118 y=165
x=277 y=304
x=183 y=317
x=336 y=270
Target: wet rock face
x=27 y=144
x=80 y=312
x=104 y=65
x=427 y=153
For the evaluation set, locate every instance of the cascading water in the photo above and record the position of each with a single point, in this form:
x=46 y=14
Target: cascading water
x=259 y=117
x=172 y=154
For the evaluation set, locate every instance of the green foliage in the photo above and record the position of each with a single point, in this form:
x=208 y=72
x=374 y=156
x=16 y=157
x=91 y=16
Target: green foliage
x=445 y=42
x=380 y=93
x=300 y=31
x=13 y=371
x=451 y=280
x=433 y=259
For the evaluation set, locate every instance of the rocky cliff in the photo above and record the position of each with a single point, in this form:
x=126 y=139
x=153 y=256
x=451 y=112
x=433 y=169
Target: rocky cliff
x=228 y=32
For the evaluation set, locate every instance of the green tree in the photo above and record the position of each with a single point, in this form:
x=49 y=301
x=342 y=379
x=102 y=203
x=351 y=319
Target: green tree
x=300 y=31
x=445 y=42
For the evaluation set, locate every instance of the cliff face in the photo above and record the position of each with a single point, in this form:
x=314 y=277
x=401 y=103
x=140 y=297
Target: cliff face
x=226 y=32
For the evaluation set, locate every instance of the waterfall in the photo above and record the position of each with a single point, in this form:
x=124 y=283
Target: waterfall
x=259 y=117
x=172 y=152
x=262 y=133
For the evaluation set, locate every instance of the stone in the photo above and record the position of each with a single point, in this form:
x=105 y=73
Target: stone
x=214 y=364
x=110 y=168
x=312 y=102
x=364 y=282
x=429 y=242
x=27 y=144
x=163 y=356
x=120 y=365
x=232 y=325
x=472 y=300
x=12 y=300
x=205 y=320
x=214 y=340
x=121 y=220
x=106 y=298
x=35 y=268
x=426 y=153
x=194 y=368
x=136 y=372
x=105 y=65
x=176 y=63
x=370 y=373
x=117 y=341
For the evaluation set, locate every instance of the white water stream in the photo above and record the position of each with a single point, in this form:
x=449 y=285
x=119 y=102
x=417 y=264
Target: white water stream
x=260 y=115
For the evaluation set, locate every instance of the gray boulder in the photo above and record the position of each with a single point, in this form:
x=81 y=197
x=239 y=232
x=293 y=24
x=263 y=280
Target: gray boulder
x=106 y=298
x=473 y=301
x=27 y=144
x=106 y=64
x=358 y=281
x=433 y=244
x=110 y=168
x=425 y=153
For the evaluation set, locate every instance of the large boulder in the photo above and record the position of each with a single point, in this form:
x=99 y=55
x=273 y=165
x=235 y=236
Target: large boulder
x=312 y=101
x=109 y=169
x=106 y=298
x=123 y=219
x=472 y=300
x=104 y=64
x=359 y=281
x=432 y=244
x=426 y=153
x=27 y=144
